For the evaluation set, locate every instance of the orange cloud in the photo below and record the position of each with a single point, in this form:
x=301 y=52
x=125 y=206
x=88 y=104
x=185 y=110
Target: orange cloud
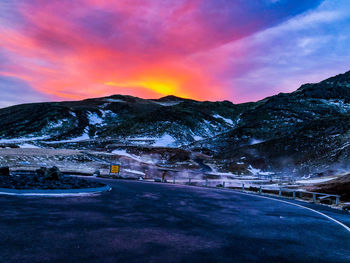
x=87 y=48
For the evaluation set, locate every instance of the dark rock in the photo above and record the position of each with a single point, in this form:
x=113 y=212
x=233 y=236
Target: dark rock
x=41 y=172
x=53 y=174
x=4 y=171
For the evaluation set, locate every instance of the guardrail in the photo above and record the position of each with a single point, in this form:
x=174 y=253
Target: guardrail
x=23 y=172
x=293 y=193
x=315 y=195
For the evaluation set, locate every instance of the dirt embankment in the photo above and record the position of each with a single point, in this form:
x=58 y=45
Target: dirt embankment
x=339 y=186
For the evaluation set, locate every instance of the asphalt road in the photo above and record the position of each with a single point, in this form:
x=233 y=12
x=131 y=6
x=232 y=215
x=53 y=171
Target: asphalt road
x=147 y=222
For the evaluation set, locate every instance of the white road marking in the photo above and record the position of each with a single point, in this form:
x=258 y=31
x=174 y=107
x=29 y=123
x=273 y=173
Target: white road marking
x=266 y=197
x=301 y=206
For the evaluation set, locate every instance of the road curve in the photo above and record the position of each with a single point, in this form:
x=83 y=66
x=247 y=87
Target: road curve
x=147 y=222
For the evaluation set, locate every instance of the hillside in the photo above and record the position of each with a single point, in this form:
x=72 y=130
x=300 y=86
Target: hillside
x=169 y=121
x=303 y=130
x=306 y=131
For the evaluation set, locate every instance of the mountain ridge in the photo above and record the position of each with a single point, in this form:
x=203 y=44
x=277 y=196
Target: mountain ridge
x=279 y=132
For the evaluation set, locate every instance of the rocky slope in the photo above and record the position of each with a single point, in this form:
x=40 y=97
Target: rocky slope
x=307 y=130
x=169 y=121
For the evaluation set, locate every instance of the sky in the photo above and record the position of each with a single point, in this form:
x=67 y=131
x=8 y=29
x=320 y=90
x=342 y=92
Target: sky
x=235 y=50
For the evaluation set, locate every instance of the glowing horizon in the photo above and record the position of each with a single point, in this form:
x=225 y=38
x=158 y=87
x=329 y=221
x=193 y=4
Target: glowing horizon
x=198 y=49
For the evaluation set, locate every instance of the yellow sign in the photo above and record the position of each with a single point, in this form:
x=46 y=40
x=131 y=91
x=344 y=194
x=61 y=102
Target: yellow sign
x=114 y=169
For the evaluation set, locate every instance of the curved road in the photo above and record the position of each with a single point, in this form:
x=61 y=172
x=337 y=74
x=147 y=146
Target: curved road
x=147 y=222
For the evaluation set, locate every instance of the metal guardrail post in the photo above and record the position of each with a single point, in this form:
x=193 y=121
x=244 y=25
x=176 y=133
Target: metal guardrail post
x=223 y=184
x=260 y=190
x=189 y=180
x=280 y=192
x=206 y=182
x=242 y=187
x=337 y=200
x=314 y=198
x=293 y=194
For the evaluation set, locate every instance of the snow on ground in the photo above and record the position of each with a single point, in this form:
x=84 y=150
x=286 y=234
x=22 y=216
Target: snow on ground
x=207 y=126
x=165 y=141
x=255 y=171
x=133 y=171
x=255 y=141
x=221 y=174
x=340 y=104
x=115 y=100
x=28 y=146
x=94 y=118
x=134 y=157
x=24 y=139
x=55 y=124
x=197 y=138
x=229 y=121
x=168 y=103
x=85 y=136
x=228 y=182
x=104 y=105
x=108 y=113
x=142 y=139
x=123 y=153
x=343 y=147
x=315 y=180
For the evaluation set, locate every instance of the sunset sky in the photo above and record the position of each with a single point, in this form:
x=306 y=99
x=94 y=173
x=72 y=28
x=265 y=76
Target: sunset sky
x=238 y=50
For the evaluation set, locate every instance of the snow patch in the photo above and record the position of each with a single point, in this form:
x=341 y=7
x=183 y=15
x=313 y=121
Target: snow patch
x=24 y=139
x=255 y=171
x=122 y=153
x=115 y=100
x=340 y=104
x=164 y=141
x=108 y=114
x=255 y=141
x=133 y=171
x=28 y=146
x=315 y=180
x=94 y=118
x=55 y=124
x=228 y=121
x=168 y=103
x=85 y=136
x=134 y=157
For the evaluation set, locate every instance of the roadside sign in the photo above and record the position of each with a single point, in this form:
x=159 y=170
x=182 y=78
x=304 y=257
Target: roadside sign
x=114 y=169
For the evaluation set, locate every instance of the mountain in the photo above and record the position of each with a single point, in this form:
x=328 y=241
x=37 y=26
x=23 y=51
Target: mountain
x=308 y=129
x=303 y=131
x=169 y=121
